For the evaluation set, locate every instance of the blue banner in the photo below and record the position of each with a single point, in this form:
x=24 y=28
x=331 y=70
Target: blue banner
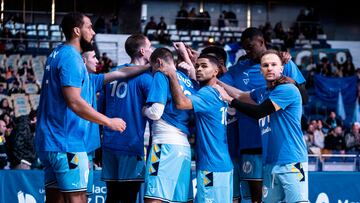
x=327 y=89
x=27 y=186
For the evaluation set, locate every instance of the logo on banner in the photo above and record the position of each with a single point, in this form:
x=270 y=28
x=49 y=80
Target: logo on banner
x=25 y=198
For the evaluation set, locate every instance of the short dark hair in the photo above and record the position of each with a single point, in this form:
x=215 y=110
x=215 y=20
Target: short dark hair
x=216 y=51
x=70 y=21
x=214 y=60
x=162 y=53
x=87 y=47
x=133 y=44
x=250 y=33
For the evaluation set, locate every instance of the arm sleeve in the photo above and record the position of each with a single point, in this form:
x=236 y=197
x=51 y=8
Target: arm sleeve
x=159 y=90
x=72 y=71
x=146 y=81
x=254 y=111
x=199 y=101
x=284 y=95
x=155 y=111
x=291 y=70
x=97 y=80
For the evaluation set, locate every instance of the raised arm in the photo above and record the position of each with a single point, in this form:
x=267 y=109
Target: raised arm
x=186 y=65
x=77 y=104
x=125 y=72
x=236 y=93
x=180 y=100
x=253 y=110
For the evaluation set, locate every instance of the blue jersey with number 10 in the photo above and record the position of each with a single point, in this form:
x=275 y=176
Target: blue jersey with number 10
x=160 y=93
x=125 y=99
x=211 y=142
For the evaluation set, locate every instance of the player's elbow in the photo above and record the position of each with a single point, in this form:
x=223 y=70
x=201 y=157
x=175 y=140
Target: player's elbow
x=182 y=105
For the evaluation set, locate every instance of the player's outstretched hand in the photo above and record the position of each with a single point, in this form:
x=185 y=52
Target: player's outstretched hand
x=224 y=95
x=117 y=124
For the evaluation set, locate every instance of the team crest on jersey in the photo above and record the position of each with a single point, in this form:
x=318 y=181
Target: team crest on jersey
x=247 y=167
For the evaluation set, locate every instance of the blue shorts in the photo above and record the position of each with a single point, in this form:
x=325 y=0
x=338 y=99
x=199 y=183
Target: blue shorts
x=287 y=183
x=120 y=167
x=168 y=173
x=236 y=179
x=251 y=167
x=90 y=184
x=66 y=171
x=215 y=187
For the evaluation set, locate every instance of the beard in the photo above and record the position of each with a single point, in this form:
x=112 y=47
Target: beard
x=84 y=43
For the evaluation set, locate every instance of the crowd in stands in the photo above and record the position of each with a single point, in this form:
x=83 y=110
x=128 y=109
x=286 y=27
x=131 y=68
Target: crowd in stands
x=331 y=137
x=19 y=93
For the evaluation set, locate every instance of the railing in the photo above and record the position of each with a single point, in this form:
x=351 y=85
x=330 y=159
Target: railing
x=334 y=162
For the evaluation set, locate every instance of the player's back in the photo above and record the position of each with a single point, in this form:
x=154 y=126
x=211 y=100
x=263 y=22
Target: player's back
x=125 y=99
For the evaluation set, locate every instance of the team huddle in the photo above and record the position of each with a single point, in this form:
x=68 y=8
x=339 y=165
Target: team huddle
x=246 y=122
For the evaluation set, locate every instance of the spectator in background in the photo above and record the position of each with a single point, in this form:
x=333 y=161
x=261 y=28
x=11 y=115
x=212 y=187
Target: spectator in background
x=182 y=19
x=162 y=25
x=21 y=144
x=231 y=17
x=352 y=139
x=106 y=63
x=310 y=140
x=7 y=40
x=20 y=42
x=114 y=24
x=16 y=88
x=99 y=25
x=5 y=106
x=335 y=140
x=348 y=68
x=319 y=136
x=3 y=151
x=150 y=25
x=3 y=89
x=324 y=68
x=333 y=121
x=221 y=21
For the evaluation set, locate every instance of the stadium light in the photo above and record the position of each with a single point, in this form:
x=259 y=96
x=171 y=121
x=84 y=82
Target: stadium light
x=248 y=16
x=53 y=12
x=2 y=10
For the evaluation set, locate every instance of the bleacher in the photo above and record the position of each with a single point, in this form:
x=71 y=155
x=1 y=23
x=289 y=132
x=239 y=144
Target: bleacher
x=25 y=102
x=198 y=37
x=40 y=38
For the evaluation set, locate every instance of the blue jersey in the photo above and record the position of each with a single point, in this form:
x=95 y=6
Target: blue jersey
x=59 y=128
x=92 y=138
x=125 y=99
x=282 y=137
x=211 y=143
x=160 y=93
x=246 y=76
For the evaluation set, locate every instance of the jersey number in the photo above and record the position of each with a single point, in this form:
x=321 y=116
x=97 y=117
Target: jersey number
x=223 y=115
x=119 y=89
